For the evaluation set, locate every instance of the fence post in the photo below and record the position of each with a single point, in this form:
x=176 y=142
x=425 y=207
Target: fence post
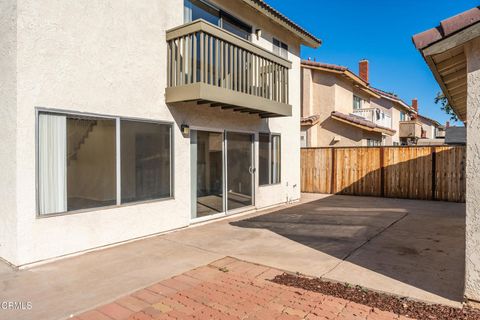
x=333 y=172
x=382 y=172
x=434 y=173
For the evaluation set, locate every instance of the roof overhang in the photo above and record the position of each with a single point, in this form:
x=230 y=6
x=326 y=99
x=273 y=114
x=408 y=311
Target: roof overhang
x=364 y=125
x=443 y=49
x=310 y=121
x=306 y=38
x=397 y=101
x=356 y=80
x=428 y=120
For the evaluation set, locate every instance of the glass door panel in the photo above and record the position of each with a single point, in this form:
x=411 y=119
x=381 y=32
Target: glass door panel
x=239 y=170
x=207 y=173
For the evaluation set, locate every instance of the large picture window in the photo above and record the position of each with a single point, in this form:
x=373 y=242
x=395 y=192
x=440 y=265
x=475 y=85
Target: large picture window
x=78 y=158
x=269 y=146
x=145 y=161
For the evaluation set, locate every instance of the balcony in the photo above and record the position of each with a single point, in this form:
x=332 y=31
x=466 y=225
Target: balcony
x=209 y=65
x=410 y=129
x=376 y=116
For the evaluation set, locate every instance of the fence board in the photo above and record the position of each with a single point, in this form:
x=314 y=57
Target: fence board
x=427 y=173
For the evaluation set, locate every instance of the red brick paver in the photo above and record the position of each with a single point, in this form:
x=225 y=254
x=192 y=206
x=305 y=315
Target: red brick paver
x=230 y=289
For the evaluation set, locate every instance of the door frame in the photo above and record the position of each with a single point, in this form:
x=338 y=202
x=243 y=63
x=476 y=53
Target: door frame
x=253 y=175
x=227 y=212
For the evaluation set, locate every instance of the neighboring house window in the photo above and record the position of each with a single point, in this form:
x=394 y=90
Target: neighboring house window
x=373 y=143
x=199 y=9
x=357 y=102
x=280 y=48
x=303 y=139
x=269 y=158
x=78 y=157
x=395 y=143
x=403 y=116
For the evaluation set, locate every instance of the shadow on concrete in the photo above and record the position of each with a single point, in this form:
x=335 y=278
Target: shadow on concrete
x=418 y=243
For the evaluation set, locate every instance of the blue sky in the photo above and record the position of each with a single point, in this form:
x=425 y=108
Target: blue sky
x=381 y=32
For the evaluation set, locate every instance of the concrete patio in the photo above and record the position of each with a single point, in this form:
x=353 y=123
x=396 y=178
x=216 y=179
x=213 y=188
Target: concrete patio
x=405 y=247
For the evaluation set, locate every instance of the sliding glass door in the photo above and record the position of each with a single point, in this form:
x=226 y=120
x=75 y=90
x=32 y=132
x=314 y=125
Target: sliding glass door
x=221 y=163
x=207 y=173
x=240 y=170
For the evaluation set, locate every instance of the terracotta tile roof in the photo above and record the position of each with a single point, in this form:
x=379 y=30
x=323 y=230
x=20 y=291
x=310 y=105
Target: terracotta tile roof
x=392 y=97
x=447 y=27
x=327 y=67
x=339 y=68
x=324 y=65
x=360 y=121
x=274 y=12
x=435 y=122
x=310 y=121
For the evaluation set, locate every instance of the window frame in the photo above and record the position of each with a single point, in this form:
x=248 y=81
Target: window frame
x=360 y=102
x=221 y=14
x=280 y=47
x=118 y=178
x=270 y=183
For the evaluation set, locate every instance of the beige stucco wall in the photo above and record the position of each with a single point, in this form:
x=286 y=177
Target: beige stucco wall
x=472 y=254
x=428 y=127
x=324 y=92
x=8 y=118
x=110 y=58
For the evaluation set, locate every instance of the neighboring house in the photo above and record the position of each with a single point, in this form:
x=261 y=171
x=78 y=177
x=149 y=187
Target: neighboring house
x=340 y=108
x=137 y=117
x=441 y=130
x=401 y=117
x=337 y=110
x=429 y=127
x=452 y=51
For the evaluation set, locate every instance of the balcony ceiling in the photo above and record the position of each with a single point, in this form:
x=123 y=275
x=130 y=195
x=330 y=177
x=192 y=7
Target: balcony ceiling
x=215 y=97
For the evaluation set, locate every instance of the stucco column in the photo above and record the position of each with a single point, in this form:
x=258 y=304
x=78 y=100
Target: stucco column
x=472 y=267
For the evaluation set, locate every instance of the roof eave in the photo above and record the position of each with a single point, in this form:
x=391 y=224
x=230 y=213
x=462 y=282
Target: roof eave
x=440 y=44
x=305 y=37
x=349 y=74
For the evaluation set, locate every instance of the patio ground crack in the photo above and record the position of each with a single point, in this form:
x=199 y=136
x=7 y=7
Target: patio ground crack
x=364 y=244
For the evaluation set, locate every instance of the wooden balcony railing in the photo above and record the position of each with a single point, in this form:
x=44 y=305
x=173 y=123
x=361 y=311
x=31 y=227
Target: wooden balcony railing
x=209 y=63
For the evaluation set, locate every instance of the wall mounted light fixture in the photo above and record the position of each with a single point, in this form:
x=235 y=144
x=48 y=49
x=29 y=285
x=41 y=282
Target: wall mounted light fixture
x=185 y=129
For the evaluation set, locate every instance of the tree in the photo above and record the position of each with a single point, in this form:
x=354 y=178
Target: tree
x=445 y=106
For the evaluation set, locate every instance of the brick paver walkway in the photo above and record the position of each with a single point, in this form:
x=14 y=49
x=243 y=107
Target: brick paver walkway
x=230 y=289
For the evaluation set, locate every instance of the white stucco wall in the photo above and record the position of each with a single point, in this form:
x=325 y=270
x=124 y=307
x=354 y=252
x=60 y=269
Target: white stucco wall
x=8 y=118
x=472 y=254
x=110 y=58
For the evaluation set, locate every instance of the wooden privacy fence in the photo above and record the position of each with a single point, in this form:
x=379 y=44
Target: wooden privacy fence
x=427 y=173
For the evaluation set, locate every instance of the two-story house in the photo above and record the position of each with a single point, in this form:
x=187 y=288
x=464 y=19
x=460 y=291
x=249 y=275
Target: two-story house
x=430 y=127
x=131 y=118
x=341 y=108
x=401 y=116
x=338 y=108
